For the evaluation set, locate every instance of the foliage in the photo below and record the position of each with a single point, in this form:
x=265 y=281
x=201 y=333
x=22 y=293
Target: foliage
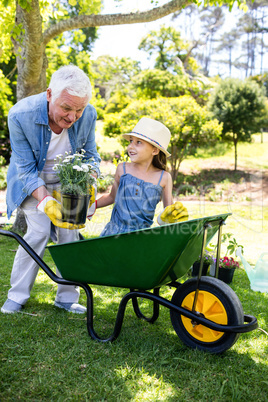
x=189 y=123
x=208 y=258
x=5 y=105
x=118 y=101
x=238 y=105
x=104 y=182
x=3 y=174
x=112 y=74
x=262 y=80
x=232 y=244
x=8 y=30
x=75 y=173
x=171 y=51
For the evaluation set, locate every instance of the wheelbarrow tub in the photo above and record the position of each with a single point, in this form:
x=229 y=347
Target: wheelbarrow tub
x=143 y=259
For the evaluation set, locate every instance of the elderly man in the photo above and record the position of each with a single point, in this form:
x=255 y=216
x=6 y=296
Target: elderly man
x=42 y=126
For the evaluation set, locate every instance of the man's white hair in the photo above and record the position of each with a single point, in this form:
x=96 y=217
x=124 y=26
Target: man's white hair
x=71 y=79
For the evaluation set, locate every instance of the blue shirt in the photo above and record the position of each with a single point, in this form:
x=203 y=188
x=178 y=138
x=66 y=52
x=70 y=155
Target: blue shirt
x=135 y=204
x=30 y=137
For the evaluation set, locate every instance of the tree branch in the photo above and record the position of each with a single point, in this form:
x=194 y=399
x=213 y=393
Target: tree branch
x=94 y=20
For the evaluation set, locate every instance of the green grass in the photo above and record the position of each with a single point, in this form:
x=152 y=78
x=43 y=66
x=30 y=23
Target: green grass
x=252 y=155
x=46 y=353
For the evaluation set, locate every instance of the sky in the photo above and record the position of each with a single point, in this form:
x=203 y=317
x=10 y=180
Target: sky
x=123 y=40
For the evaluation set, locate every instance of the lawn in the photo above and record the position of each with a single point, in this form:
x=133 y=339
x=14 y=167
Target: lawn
x=46 y=353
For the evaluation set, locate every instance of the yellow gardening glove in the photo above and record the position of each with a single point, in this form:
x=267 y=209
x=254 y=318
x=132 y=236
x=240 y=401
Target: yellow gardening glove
x=52 y=208
x=91 y=191
x=56 y=194
x=92 y=203
x=173 y=213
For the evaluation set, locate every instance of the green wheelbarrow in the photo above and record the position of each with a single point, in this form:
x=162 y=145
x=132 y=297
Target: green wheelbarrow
x=205 y=312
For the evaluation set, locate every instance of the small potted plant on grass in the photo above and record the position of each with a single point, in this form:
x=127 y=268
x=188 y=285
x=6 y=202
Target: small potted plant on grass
x=227 y=267
x=208 y=260
x=227 y=264
x=75 y=175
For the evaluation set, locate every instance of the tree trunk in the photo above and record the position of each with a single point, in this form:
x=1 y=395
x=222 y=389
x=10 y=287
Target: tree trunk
x=235 y=147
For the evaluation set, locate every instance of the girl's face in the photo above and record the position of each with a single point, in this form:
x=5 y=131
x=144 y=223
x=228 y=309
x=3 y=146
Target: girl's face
x=140 y=151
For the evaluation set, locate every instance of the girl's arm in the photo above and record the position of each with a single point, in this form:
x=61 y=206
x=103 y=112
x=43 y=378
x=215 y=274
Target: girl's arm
x=167 y=190
x=108 y=199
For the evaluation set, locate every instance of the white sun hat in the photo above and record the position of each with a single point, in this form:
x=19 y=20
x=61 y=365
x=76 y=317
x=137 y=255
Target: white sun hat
x=152 y=131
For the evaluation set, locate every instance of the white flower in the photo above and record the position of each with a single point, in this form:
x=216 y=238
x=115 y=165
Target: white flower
x=85 y=167
x=55 y=167
x=59 y=156
x=78 y=168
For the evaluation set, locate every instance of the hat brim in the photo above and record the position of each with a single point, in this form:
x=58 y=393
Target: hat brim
x=144 y=138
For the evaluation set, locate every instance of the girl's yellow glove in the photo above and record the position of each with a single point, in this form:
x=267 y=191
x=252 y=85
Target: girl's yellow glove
x=173 y=213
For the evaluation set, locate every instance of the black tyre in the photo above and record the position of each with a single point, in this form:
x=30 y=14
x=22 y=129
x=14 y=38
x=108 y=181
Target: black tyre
x=216 y=302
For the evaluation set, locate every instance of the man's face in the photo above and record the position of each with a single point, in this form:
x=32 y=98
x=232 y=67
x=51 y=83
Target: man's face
x=65 y=110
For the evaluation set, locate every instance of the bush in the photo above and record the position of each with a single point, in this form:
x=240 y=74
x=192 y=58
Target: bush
x=104 y=183
x=3 y=176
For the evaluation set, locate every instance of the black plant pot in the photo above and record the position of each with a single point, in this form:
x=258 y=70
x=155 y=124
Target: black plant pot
x=226 y=274
x=74 y=208
x=196 y=266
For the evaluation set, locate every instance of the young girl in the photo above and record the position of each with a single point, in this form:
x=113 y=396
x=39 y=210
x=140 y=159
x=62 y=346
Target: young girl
x=142 y=183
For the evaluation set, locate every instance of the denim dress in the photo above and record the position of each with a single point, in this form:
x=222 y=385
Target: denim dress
x=135 y=204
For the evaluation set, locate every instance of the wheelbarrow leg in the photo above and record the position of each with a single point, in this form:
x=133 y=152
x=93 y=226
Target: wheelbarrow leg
x=119 y=317
x=155 y=308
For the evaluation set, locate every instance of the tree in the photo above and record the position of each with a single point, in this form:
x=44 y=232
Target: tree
x=28 y=29
x=213 y=19
x=5 y=104
x=168 y=46
x=190 y=124
x=228 y=43
x=153 y=83
x=113 y=73
x=238 y=105
x=28 y=26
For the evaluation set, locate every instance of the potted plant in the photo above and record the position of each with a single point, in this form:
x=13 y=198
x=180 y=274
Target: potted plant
x=227 y=267
x=208 y=260
x=227 y=264
x=75 y=175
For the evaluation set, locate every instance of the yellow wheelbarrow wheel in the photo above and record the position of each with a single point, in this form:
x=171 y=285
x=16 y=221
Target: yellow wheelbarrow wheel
x=210 y=307
x=218 y=303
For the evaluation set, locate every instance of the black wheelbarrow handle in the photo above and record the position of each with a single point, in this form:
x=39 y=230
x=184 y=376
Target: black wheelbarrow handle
x=37 y=259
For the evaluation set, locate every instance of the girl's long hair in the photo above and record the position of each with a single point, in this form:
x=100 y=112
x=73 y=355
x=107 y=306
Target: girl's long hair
x=160 y=161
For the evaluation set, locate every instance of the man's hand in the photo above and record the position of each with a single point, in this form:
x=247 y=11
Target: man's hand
x=173 y=213
x=52 y=208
